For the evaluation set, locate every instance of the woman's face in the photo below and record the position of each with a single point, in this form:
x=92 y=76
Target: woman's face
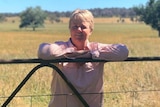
x=80 y=32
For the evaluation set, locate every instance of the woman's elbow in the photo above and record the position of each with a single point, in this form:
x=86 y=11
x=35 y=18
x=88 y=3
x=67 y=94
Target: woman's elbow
x=43 y=51
x=124 y=52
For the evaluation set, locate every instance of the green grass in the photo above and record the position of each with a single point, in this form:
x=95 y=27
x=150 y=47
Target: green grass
x=118 y=76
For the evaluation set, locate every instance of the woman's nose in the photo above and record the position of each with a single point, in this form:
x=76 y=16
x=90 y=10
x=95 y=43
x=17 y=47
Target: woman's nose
x=79 y=28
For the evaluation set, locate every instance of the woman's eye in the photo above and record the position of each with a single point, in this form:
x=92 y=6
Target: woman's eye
x=76 y=27
x=83 y=27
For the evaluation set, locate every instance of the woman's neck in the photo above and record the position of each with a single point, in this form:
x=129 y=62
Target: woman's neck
x=80 y=45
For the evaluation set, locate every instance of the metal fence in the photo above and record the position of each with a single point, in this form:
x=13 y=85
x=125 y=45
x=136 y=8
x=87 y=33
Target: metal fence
x=50 y=63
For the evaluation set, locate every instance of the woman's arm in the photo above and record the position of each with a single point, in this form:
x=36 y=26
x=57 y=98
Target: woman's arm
x=50 y=51
x=111 y=52
x=55 y=51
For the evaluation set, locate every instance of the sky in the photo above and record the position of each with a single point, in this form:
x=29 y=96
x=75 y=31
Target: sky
x=16 y=6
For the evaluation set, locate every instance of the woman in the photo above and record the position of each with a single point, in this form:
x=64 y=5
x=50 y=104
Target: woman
x=86 y=77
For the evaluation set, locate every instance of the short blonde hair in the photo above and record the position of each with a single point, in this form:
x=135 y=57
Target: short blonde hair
x=82 y=16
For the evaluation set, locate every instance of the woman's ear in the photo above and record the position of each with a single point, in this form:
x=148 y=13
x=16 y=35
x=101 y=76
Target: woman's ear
x=91 y=30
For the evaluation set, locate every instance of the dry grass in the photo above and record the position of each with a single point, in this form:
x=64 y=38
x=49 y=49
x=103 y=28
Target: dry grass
x=118 y=77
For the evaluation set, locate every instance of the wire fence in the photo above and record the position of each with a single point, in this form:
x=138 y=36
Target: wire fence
x=131 y=93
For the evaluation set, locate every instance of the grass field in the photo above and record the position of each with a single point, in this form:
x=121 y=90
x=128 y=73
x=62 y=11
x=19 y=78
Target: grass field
x=119 y=77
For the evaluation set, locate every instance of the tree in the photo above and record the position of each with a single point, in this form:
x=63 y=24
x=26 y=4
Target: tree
x=2 y=18
x=150 y=14
x=53 y=18
x=32 y=17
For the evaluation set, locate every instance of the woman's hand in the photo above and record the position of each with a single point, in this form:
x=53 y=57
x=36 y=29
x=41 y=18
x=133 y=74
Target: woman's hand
x=78 y=54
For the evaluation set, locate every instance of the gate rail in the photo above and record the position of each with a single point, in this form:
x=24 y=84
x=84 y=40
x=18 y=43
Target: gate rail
x=49 y=64
x=23 y=61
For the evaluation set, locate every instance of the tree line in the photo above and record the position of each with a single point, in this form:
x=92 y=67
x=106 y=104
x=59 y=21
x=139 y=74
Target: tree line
x=97 y=12
x=101 y=12
x=34 y=17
